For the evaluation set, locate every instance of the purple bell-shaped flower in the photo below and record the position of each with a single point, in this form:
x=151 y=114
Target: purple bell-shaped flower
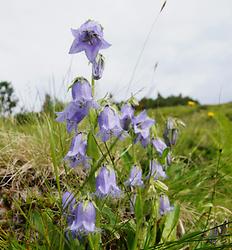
x=160 y=146
x=79 y=107
x=135 y=178
x=106 y=183
x=88 y=38
x=126 y=116
x=156 y=171
x=165 y=206
x=109 y=124
x=142 y=124
x=77 y=153
x=85 y=218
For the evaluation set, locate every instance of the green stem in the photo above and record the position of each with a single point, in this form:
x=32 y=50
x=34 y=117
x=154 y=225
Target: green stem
x=93 y=86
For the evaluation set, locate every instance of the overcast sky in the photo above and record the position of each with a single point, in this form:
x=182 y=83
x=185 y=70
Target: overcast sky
x=191 y=41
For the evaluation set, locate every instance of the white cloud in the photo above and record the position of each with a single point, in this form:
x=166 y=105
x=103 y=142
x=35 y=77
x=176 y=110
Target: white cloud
x=191 y=41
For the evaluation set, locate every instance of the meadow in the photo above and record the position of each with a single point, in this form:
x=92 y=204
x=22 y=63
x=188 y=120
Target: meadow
x=114 y=177
x=33 y=177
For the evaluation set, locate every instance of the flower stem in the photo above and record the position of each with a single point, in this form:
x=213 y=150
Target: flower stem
x=93 y=86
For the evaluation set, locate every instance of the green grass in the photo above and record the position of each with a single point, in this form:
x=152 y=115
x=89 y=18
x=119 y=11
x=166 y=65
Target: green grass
x=33 y=174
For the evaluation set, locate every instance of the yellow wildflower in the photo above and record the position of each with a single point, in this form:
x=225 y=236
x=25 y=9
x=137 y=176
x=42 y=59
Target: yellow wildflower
x=191 y=103
x=210 y=114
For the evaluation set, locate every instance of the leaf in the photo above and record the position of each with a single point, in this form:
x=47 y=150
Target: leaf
x=139 y=208
x=164 y=155
x=93 y=117
x=126 y=157
x=110 y=214
x=92 y=147
x=169 y=231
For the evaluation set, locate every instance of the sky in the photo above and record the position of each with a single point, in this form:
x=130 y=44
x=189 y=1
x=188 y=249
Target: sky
x=191 y=40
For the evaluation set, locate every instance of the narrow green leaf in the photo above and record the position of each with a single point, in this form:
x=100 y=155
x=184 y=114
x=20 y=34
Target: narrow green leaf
x=92 y=148
x=169 y=231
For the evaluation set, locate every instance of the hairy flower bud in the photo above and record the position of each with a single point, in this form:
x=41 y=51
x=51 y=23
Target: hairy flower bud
x=165 y=205
x=98 y=67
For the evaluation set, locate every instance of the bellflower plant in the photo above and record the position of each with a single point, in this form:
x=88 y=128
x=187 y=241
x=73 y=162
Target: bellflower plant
x=92 y=147
x=85 y=218
x=142 y=124
x=106 y=183
x=88 y=38
x=126 y=116
x=135 y=178
x=109 y=124
x=77 y=154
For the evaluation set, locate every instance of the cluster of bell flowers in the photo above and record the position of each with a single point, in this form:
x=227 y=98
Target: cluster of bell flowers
x=81 y=216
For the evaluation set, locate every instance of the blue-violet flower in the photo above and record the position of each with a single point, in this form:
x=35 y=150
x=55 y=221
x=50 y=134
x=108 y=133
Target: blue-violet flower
x=165 y=205
x=160 y=146
x=156 y=171
x=126 y=116
x=88 y=38
x=109 y=124
x=79 y=107
x=135 y=178
x=77 y=153
x=85 y=218
x=142 y=124
x=106 y=183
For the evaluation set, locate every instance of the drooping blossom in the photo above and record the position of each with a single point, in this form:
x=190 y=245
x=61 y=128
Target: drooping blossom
x=68 y=203
x=156 y=171
x=88 y=38
x=126 y=116
x=142 y=124
x=135 y=178
x=160 y=146
x=165 y=206
x=109 y=124
x=85 y=218
x=77 y=153
x=98 y=67
x=106 y=183
x=79 y=107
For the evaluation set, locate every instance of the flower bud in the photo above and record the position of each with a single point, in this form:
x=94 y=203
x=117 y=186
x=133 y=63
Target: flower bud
x=98 y=67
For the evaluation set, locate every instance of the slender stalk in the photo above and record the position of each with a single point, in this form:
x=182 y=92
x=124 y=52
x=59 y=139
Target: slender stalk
x=93 y=86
